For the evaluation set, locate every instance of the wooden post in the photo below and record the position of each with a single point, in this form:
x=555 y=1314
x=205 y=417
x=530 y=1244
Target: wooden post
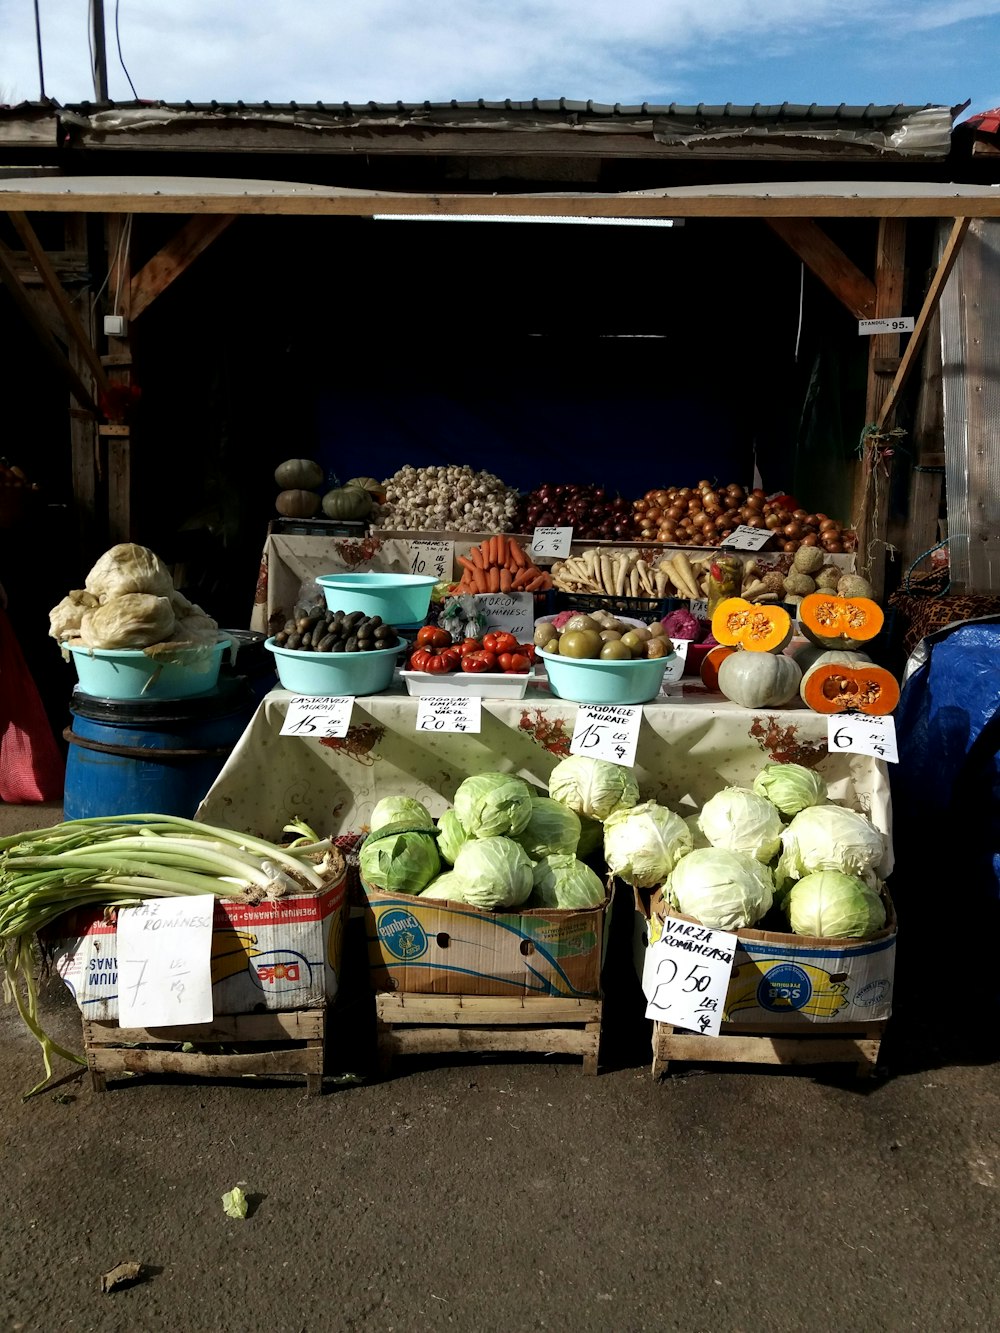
x=83 y=437
x=118 y=231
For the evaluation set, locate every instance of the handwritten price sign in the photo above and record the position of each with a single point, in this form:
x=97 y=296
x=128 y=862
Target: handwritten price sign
x=449 y=712
x=745 y=538
x=685 y=976
x=860 y=734
x=552 y=542
x=675 y=664
x=165 y=962
x=314 y=716
x=436 y=559
x=607 y=731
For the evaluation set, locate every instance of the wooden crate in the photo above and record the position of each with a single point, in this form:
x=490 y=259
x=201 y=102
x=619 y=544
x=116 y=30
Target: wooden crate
x=777 y=1044
x=286 y=1042
x=410 y=1024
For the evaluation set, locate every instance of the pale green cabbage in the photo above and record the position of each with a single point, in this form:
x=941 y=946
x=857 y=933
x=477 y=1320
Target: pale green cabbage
x=399 y=862
x=400 y=810
x=493 y=805
x=828 y=903
x=790 y=787
x=447 y=886
x=493 y=872
x=451 y=835
x=552 y=828
x=643 y=844
x=723 y=890
x=564 y=882
x=593 y=787
x=829 y=837
x=738 y=820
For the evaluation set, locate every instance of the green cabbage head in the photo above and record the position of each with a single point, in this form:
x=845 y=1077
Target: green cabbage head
x=552 y=828
x=790 y=787
x=493 y=805
x=723 y=890
x=563 y=881
x=399 y=859
x=447 y=886
x=829 y=837
x=592 y=787
x=493 y=872
x=738 y=820
x=451 y=835
x=644 y=843
x=400 y=810
x=828 y=903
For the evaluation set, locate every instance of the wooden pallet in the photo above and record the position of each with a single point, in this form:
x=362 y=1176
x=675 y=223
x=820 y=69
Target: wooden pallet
x=410 y=1024
x=288 y=1042
x=777 y=1044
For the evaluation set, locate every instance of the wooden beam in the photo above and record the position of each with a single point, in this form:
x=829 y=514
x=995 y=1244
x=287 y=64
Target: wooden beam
x=64 y=305
x=120 y=518
x=950 y=254
x=827 y=261
x=175 y=258
x=52 y=349
x=83 y=439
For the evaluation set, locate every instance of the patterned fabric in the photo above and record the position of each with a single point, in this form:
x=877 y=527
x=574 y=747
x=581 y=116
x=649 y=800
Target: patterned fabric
x=924 y=606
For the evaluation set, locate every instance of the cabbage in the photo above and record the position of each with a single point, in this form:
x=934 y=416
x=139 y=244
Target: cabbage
x=447 y=886
x=829 y=837
x=451 y=835
x=738 y=820
x=400 y=810
x=828 y=903
x=563 y=881
x=129 y=568
x=493 y=872
x=593 y=787
x=790 y=787
x=399 y=859
x=133 y=620
x=723 y=890
x=642 y=845
x=551 y=829
x=493 y=805
x=591 y=836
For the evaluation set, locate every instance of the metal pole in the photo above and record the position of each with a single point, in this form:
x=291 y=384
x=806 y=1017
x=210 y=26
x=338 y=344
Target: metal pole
x=100 y=51
x=38 y=43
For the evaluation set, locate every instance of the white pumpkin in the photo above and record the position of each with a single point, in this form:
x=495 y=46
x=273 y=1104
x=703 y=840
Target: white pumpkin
x=759 y=680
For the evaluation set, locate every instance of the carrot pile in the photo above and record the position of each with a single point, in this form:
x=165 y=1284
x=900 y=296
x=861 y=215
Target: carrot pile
x=500 y=564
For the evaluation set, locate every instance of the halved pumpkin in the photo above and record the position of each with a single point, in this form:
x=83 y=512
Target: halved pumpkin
x=840 y=682
x=839 y=622
x=758 y=627
x=710 y=664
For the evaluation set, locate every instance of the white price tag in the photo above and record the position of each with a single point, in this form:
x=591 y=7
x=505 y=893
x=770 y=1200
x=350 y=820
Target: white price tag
x=450 y=712
x=607 y=731
x=675 y=665
x=165 y=962
x=699 y=608
x=685 y=976
x=745 y=538
x=434 y=558
x=318 y=715
x=551 y=542
x=899 y=324
x=860 y=734
x=512 y=612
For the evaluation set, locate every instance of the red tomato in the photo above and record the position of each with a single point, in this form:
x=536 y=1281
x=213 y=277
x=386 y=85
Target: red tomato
x=437 y=664
x=419 y=659
x=481 y=661
x=496 y=641
x=432 y=636
x=452 y=657
x=518 y=662
x=503 y=661
x=470 y=646
x=528 y=649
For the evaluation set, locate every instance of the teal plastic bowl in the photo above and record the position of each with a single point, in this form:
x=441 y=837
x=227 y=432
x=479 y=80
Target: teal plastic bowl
x=128 y=673
x=400 y=599
x=589 y=680
x=335 y=673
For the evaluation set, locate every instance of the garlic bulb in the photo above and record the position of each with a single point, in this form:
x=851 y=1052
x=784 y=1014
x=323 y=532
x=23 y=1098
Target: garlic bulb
x=447 y=498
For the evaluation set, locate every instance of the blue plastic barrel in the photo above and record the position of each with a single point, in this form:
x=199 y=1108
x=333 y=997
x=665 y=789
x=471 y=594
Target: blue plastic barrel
x=131 y=756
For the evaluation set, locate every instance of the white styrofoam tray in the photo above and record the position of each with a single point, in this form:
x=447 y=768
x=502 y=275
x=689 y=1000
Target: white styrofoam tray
x=485 y=684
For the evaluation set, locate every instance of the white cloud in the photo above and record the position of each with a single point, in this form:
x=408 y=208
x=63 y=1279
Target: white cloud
x=383 y=50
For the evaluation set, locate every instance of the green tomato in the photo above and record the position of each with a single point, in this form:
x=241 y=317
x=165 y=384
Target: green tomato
x=616 y=651
x=580 y=643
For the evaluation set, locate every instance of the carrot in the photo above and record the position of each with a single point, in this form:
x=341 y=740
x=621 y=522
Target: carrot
x=476 y=556
x=495 y=557
x=535 y=584
x=505 y=578
x=479 y=575
x=519 y=579
x=517 y=554
x=465 y=562
x=494 y=579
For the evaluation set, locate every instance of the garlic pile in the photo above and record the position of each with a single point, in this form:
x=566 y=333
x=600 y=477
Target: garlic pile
x=450 y=498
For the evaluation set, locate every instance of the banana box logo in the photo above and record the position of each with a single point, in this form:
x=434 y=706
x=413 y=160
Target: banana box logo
x=281 y=969
x=232 y=951
x=785 y=986
x=401 y=934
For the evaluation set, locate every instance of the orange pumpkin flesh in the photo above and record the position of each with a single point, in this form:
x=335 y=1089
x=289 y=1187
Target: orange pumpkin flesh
x=832 y=687
x=710 y=664
x=839 y=622
x=758 y=628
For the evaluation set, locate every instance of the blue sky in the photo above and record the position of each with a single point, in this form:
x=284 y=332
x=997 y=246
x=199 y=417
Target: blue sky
x=744 y=51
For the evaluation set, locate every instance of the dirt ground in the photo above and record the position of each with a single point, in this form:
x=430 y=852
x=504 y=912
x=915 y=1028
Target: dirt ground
x=507 y=1193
